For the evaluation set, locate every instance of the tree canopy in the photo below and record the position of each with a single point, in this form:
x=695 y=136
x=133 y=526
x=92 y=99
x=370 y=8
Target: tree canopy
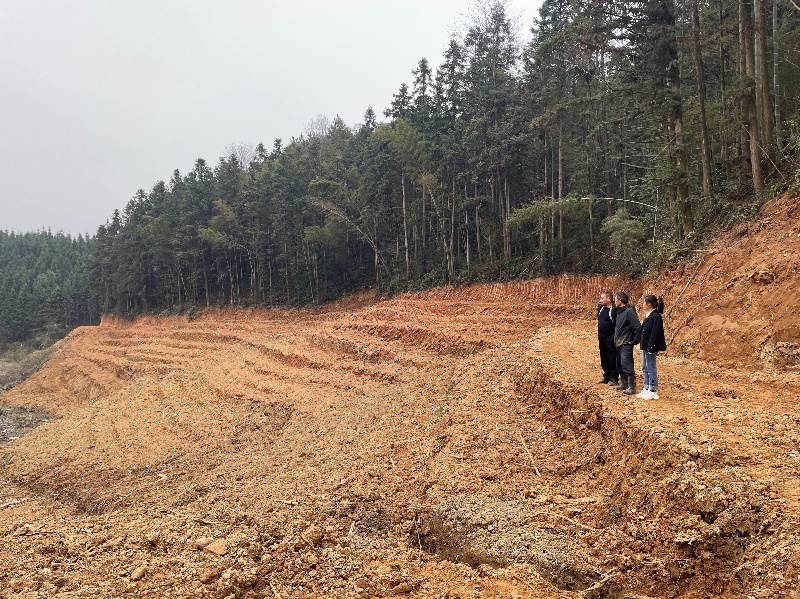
x=620 y=129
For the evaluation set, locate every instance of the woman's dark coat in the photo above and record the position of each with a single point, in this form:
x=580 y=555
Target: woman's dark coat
x=653 y=333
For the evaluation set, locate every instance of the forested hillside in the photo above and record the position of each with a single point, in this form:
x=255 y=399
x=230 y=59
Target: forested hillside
x=46 y=286
x=616 y=139
x=620 y=122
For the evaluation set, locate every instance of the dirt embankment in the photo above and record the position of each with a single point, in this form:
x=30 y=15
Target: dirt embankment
x=737 y=305
x=447 y=444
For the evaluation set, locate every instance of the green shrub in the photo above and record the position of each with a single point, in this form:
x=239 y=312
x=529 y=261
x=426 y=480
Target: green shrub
x=626 y=236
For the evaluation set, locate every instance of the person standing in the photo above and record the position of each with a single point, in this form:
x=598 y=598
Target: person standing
x=627 y=333
x=653 y=341
x=605 y=339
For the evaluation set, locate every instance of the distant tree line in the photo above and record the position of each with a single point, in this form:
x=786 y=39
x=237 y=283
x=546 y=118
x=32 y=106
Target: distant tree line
x=613 y=141
x=46 y=286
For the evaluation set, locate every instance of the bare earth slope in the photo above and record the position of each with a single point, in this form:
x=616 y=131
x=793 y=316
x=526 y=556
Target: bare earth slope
x=447 y=444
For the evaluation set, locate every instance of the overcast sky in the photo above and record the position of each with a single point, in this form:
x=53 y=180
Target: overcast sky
x=99 y=98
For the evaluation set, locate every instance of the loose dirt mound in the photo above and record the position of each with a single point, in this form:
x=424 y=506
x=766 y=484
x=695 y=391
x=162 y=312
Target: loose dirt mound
x=447 y=444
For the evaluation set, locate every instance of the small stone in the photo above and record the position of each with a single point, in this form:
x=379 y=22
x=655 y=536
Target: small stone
x=209 y=574
x=485 y=570
x=201 y=543
x=765 y=277
x=315 y=535
x=691 y=451
x=362 y=583
x=138 y=573
x=218 y=548
x=405 y=587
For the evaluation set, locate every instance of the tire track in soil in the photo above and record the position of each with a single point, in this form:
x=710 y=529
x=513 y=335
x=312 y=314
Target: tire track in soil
x=444 y=444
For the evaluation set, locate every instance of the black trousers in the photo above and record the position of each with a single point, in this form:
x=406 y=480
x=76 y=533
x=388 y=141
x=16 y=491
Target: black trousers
x=608 y=357
x=625 y=360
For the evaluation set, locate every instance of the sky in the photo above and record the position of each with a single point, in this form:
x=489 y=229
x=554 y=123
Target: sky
x=99 y=98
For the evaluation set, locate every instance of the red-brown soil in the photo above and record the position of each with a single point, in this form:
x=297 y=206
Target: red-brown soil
x=447 y=444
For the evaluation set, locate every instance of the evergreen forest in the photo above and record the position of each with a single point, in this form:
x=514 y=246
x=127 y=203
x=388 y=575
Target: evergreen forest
x=46 y=288
x=616 y=138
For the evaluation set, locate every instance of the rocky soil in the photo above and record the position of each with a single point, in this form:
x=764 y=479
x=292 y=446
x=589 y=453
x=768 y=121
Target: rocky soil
x=452 y=444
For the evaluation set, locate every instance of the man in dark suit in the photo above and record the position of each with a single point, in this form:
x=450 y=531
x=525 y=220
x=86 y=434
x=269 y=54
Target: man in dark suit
x=605 y=339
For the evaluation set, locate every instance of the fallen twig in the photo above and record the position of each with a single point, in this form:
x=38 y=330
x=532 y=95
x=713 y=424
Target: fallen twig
x=674 y=332
x=530 y=455
x=689 y=282
x=341 y=483
x=599 y=585
x=578 y=524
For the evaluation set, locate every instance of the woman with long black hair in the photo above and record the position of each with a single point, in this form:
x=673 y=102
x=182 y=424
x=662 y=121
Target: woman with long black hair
x=653 y=341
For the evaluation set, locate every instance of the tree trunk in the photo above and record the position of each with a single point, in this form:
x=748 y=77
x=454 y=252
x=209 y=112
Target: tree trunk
x=749 y=96
x=762 y=79
x=478 y=226
x=286 y=259
x=405 y=223
x=705 y=147
x=230 y=277
x=591 y=233
x=506 y=216
x=744 y=68
x=560 y=188
x=683 y=206
x=205 y=283
x=544 y=154
x=604 y=118
x=377 y=261
x=452 y=257
x=542 y=240
x=422 y=227
x=466 y=229
x=723 y=146
x=751 y=126
x=775 y=77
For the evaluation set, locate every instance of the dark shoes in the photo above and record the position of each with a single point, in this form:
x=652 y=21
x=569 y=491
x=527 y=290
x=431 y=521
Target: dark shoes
x=631 y=389
x=623 y=383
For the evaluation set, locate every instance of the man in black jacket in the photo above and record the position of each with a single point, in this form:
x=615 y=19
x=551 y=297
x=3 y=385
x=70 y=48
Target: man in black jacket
x=627 y=333
x=605 y=339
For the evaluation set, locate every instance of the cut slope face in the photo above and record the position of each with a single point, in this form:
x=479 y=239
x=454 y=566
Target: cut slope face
x=448 y=444
x=738 y=305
